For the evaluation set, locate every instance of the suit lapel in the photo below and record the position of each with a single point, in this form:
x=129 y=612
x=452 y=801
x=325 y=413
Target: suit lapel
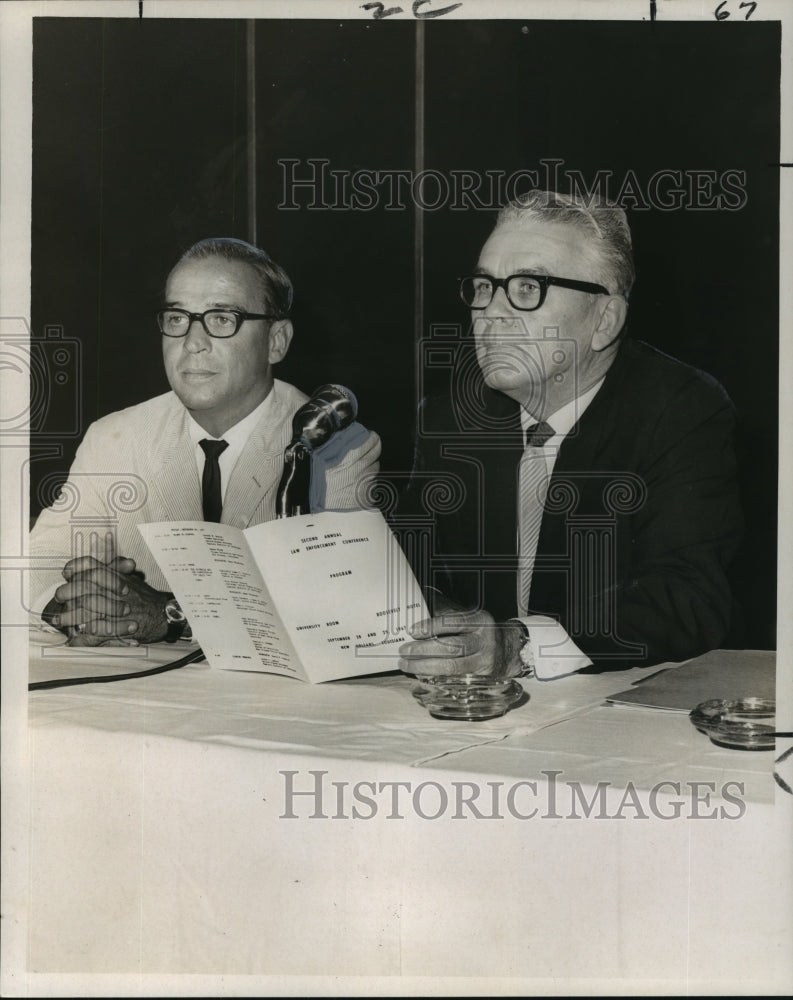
x=175 y=480
x=593 y=435
x=259 y=467
x=584 y=451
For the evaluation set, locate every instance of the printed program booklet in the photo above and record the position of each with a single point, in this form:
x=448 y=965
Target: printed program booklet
x=318 y=597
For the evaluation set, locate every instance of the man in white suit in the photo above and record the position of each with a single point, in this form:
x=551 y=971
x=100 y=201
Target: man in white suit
x=211 y=449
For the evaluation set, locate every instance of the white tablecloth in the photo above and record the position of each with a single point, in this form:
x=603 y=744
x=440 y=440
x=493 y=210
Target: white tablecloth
x=163 y=840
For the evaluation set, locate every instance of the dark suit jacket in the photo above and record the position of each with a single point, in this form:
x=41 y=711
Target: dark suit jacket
x=642 y=517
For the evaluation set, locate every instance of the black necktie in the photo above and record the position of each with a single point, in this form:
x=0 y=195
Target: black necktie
x=210 y=481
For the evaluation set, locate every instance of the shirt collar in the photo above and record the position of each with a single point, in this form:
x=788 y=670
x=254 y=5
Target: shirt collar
x=236 y=436
x=566 y=417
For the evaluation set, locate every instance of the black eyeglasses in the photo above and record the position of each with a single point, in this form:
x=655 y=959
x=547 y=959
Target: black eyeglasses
x=524 y=291
x=217 y=322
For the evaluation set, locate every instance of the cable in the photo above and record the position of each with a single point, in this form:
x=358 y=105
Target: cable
x=197 y=654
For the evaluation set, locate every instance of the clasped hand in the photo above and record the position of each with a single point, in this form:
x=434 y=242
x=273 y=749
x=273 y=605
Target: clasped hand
x=455 y=642
x=107 y=604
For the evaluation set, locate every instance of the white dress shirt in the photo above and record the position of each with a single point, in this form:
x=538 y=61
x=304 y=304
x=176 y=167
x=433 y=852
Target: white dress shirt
x=553 y=651
x=236 y=438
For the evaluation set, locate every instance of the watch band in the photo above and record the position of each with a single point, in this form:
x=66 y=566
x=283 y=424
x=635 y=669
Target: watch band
x=178 y=626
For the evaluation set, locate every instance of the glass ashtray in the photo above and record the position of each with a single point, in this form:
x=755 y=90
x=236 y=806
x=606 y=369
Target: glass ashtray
x=740 y=724
x=470 y=697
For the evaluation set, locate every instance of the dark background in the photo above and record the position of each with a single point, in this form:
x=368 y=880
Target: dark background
x=139 y=136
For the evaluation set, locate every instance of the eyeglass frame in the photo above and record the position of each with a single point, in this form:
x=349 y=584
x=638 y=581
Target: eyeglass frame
x=543 y=280
x=238 y=314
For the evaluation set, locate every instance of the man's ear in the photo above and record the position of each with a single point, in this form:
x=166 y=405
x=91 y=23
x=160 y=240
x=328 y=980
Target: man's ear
x=612 y=320
x=280 y=338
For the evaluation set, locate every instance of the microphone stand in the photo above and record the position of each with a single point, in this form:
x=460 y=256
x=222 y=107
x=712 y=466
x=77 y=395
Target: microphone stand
x=292 y=497
x=330 y=409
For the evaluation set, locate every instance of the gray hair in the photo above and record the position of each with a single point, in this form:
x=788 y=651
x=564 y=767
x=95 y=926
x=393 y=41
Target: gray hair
x=606 y=225
x=275 y=281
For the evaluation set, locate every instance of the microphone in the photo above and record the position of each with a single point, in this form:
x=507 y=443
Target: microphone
x=330 y=409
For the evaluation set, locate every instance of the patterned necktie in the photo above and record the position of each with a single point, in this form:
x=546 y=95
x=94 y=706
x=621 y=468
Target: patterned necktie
x=532 y=491
x=210 y=481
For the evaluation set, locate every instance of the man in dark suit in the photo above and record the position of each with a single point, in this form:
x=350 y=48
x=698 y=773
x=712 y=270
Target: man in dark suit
x=596 y=503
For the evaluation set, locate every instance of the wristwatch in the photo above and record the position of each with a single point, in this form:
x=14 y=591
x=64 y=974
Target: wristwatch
x=178 y=626
x=525 y=652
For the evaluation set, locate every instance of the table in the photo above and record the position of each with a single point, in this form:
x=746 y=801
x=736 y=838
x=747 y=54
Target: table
x=246 y=826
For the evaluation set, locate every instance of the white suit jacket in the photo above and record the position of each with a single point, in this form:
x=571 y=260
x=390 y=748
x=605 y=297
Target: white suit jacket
x=138 y=465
